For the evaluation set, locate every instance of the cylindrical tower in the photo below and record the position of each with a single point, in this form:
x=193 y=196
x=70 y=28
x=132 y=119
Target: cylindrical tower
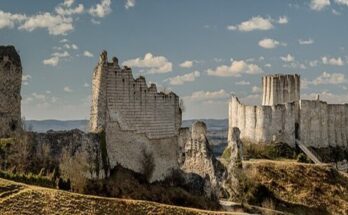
x=280 y=89
x=10 y=91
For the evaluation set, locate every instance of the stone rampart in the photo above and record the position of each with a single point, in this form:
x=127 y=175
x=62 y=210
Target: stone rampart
x=323 y=124
x=130 y=102
x=264 y=124
x=280 y=89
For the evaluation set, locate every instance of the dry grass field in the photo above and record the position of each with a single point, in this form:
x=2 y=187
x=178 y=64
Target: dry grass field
x=17 y=198
x=309 y=188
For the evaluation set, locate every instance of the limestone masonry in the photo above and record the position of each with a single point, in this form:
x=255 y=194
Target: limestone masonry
x=118 y=97
x=279 y=89
x=10 y=88
x=137 y=119
x=284 y=117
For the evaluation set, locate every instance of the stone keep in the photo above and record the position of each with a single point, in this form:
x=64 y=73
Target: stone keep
x=284 y=117
x=280 y=89
x=10 y=88
x=136 y=119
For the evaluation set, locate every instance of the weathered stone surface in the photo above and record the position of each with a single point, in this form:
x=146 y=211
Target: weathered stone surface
x=264 y=124
x=10 y=88
x=127 y=149
x=236 y=147
x=279 y=89
x=200 y=160
x=136 y=119
x=323 y=124
x=131 y=103
x=234 y=167
x=283 y=117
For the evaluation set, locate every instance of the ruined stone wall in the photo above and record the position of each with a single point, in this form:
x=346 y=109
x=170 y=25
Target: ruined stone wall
x=280 y=89
x=131 y=103
x=263 y=124
x=323 y=124
x=127 y=149
x=137 y=119
x=10 y=88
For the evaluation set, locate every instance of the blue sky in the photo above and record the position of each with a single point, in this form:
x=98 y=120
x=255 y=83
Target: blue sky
x=203 y=50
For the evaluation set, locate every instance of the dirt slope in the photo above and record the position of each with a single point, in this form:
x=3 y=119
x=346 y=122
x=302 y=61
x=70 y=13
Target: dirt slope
x=308 y=188
x=17 y=198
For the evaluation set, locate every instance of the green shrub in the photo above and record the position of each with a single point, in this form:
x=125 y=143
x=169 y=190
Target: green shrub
x=104 y=152
x=29 y=179
x=226 y=155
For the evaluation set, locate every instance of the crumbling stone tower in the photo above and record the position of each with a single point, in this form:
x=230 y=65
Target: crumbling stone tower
x=135 y=106
x=10 y=89
x=280 y=89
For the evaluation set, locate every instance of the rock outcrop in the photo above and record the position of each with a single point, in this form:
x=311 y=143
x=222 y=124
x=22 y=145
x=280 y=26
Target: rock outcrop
x=234 y=167
x=200 y=160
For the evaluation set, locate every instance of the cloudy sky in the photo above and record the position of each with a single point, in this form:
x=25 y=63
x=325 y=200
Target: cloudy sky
x=203 y=50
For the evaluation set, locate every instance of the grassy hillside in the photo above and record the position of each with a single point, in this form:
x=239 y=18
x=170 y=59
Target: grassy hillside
x=16 y=198
x=300 y=188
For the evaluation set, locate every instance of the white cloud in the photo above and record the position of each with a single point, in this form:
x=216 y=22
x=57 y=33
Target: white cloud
x=55 y=58
x=256 y=89
x=53 y=61
x=268 y=43
x=102 y=9
x=96 y=22
x=186 y=64
x=283 y=20
x=67 y=89
x=87 y=54
x=74 y=46
x=206 y=96
x=153 y=64
x=129 y=4
x=255 y=23
x=319 y=5
x=64 y=40
x=26 y=77
x=335 y=12
x=86 y=84
x=67 y=46
x=65 y=10
x=332 y=61
x=181 y=79
x=61 y=54
x=235 y=69
x=8 y=20
x=268 y=65
x=342 y=2
x=305 y=42
x=329 y=78
x=288 y=58
x=243 y=83
x=68 y=3
x=55 y=24
x=328 y=97
x=313 y=63
x=218 y=60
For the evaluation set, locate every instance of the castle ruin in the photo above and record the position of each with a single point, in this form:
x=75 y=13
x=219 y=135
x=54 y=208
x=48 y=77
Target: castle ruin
x=137 y=119
x=10 y=88
x=284 y=117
